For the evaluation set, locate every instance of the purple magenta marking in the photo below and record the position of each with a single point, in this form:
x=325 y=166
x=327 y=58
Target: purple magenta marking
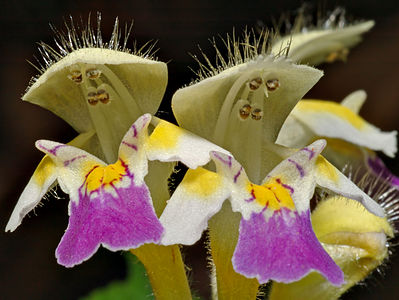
x=282 y=247
x=134 y=147
x=379 y=169
x=265 y=208
x=288 y=187
x=237 y=175
x=226 y=162
x=134 y=130
x=53 y=150
x=312 y=153
x=253 y=197
x=298 y=167
x=119 y=223
x=67 y=162
x=249 y=199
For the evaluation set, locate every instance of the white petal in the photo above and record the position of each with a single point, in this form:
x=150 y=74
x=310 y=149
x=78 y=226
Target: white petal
x=169 y=142
x=72 y=164
x=316 y=46
x=328 y=177
x=132 y=150
x=297 y=173
x=43 y=177
x=355 y=100
x=197 y=198
x=329 y=119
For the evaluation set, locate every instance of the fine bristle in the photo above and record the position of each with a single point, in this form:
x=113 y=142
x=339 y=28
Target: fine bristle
x=79 y=35
x=234 y=50
x=381 y=190
x=308 y=18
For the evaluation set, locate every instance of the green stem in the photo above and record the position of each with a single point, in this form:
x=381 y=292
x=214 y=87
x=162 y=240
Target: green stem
x=165 y=269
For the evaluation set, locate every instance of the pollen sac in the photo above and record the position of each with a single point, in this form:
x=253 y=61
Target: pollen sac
x=93 y=73
x=92 y=98
x=75 y=76
x=338 y=55
x=272 y=84
x=102 y=96
x=255 y=83
x=245 y=111
x=257 y=114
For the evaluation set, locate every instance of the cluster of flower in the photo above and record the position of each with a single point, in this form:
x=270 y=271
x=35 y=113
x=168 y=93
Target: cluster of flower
x=245 y=135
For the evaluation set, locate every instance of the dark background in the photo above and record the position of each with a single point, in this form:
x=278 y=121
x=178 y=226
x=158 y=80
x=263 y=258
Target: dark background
x=28 y=269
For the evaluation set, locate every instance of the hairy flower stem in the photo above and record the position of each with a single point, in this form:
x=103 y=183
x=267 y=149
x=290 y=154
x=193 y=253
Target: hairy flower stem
x=223 y=234
x=165 y=269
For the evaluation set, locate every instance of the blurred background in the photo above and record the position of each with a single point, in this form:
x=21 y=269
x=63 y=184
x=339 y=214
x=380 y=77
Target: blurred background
x=28 y=268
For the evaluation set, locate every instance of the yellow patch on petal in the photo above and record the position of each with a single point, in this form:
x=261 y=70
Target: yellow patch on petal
x=43 y=170
x=340 y=111
x=201 y=182
x=164 y=136
x=324 y=168
x=101 y=176
x=343 y=147
x=349 y=216
x=272 y=195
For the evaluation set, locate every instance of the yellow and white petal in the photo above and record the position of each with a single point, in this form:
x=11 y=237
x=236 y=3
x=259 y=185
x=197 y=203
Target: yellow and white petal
x=197 y=198
x=330 y=178
x=90 y=86
x=296 y=173
x=314 y=47
x=42 y=179
x=271 y=86
x=330 y=119
x=72 y=165
x=169 y=142
x=290 y=184
x=241 y=193
x=132 y=150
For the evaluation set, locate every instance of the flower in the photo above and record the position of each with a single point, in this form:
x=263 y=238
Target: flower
x=275 y=225
x=100 y=88
x=111 y=204
x=242 y=105
x=351 y=139
x=327 y=42
x=88 y=82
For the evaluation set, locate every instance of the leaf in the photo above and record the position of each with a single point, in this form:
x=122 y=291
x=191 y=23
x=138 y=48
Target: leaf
x=135 y=286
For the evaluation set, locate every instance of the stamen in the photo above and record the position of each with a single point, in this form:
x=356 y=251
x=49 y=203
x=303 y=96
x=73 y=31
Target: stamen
x=341 y=54
x=272 y=84
x=93 y=73
x=75 y=76
x=257 y=114
x=92 y=98
x=230 y=99
x=102 y=96
x=255 y=83
x=245 y=111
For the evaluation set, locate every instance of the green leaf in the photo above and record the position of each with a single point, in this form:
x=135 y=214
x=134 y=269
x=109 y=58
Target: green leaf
x=135 y=286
